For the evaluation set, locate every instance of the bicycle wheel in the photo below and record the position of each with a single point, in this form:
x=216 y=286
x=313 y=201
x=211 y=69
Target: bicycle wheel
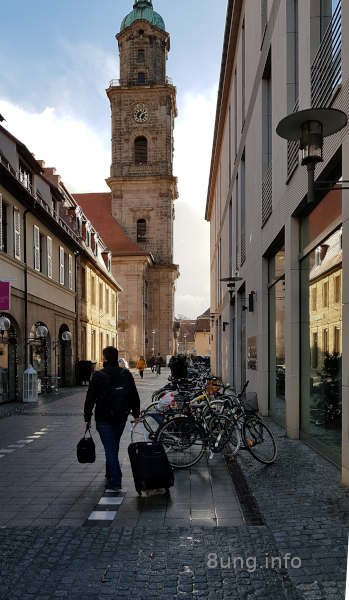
x=182 y=441
x=152 y=419
x=259 y=440
x=223 y=430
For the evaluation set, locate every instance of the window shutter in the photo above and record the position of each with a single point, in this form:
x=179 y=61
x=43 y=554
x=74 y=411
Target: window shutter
x=70 y=272
x=1 y=226
x=17 y=230
x=36 y=248
x=49 y=257
x=61 y=265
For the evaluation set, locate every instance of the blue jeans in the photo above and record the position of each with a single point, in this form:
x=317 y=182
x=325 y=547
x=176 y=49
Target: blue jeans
x=110 y=435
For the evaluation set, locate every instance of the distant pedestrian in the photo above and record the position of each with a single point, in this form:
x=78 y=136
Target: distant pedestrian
x=141 y=365
x=113 y=393
x=158 y=363
x=152 y=364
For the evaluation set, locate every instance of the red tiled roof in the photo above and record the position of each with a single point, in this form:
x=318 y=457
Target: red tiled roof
x=97 y=208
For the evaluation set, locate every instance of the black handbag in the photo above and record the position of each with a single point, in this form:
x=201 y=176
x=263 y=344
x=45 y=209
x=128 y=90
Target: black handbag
x=86 y=450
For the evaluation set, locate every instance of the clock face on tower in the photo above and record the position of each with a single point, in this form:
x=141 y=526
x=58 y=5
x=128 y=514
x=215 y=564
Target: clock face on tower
x=140 y=113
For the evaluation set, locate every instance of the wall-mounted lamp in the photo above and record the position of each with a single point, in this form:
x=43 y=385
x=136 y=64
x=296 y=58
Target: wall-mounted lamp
x=231 y=281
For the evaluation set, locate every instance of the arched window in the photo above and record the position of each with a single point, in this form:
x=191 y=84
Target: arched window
x=141 y=150
x=141 y=230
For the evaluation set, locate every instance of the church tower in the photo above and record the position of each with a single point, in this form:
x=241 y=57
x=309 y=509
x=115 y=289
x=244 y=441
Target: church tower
x=143 y=110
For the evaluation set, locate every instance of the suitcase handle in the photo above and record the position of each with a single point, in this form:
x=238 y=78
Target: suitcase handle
x=132 y=431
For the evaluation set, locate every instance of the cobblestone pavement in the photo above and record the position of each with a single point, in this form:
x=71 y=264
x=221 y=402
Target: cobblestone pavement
x=307 y=510
x=196 y=544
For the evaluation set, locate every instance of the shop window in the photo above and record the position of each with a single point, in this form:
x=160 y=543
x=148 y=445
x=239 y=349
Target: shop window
x=141 y=150
x=321 y=337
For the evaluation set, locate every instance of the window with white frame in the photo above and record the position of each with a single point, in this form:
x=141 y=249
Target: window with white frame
x=17 y=232
x=61 y=265
x=36 y=234
x=70 y=271
x=49 y=257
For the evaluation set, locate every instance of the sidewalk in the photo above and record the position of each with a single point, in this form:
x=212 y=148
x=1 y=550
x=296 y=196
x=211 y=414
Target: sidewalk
x=197 y=544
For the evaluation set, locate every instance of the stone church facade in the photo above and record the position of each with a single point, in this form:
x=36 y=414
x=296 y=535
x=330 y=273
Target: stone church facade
x=136 y=217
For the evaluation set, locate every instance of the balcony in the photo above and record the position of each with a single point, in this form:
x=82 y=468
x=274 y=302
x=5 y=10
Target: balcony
x=326 y=70
x=134 y=82
x=38 y=199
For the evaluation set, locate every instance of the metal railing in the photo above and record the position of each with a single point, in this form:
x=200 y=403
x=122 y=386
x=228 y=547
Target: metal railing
x=267 y=195
x=135 y=82
x=39 y=200
x=326 y=70
x=293 y=150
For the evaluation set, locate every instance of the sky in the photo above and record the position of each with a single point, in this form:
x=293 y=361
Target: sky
x=56 y=60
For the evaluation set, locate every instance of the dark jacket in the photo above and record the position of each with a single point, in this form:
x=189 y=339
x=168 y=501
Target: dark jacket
x=96 y=393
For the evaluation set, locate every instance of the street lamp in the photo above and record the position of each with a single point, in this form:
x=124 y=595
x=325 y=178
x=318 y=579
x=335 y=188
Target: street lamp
x=310 y=127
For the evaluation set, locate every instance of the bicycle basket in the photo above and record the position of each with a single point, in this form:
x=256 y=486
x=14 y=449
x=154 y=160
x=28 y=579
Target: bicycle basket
x=250 y=402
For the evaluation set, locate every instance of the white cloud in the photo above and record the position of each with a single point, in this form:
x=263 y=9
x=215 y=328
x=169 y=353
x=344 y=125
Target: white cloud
x=193 y=139
x=81 y=155
x=78 y=152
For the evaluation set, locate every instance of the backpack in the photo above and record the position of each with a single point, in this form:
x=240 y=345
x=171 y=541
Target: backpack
x=116 y=395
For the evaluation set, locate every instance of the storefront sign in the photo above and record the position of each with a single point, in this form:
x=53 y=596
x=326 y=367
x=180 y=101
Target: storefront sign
x=252 y=353
x=5 y=295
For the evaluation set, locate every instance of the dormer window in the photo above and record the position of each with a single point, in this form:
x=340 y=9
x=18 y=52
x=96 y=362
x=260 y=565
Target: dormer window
x=25 y=177
x=88 y=234
x=141 y=150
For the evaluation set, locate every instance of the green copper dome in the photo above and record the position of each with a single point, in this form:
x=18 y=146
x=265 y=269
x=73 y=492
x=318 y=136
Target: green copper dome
x=143 y=10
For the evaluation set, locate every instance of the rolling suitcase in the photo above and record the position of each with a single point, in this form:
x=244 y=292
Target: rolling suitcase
x=150 y=467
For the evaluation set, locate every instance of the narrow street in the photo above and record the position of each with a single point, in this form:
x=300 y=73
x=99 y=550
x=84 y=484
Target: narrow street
x=63 y=536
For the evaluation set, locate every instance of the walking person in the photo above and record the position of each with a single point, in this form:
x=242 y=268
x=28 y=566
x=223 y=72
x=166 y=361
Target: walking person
x=152 y=364
x=141 y=365
x=113 y=393
x=158 y=363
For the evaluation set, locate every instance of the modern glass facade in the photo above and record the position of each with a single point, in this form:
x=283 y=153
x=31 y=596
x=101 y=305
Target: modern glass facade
x=321 y=329
x=277 y=366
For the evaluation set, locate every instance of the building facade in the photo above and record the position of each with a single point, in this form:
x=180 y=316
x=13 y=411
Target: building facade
x=143 y=189
x=281 y=320
x=46 y=244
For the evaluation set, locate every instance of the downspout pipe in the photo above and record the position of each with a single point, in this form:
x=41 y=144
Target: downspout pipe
x=77 y=315
x=26 y=336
